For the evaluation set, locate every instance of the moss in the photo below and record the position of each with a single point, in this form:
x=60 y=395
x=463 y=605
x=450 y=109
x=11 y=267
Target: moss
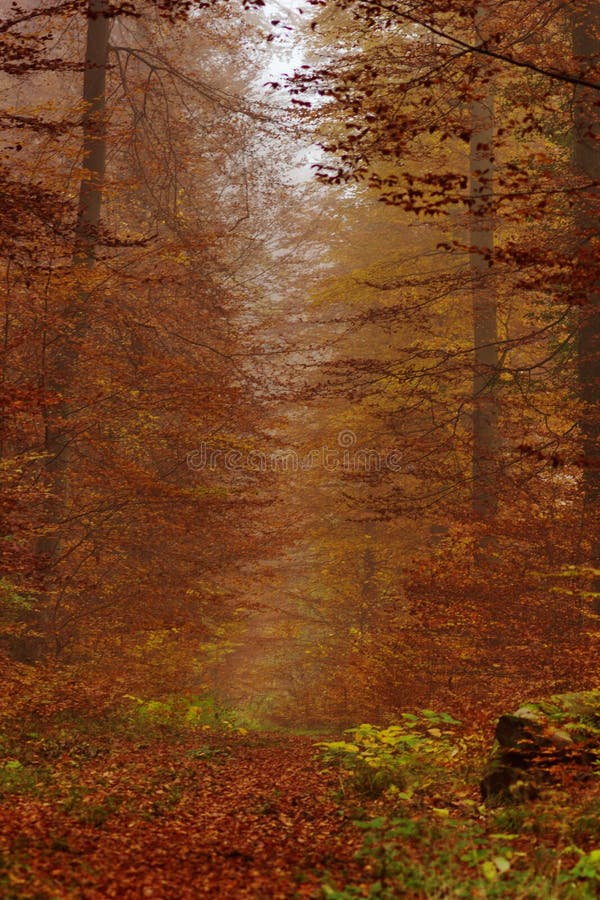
x=580 y=705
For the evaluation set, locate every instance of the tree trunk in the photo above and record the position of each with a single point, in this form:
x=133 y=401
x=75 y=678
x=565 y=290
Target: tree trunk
x=368 y=590
x=485 y=336
x=94 y=132
x=61 y=349
x=586 y=159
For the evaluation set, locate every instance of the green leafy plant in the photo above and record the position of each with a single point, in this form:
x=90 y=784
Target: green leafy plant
x=585 y=872
x=16 y=778
x=398 y=758
x=438 y=857
x=177 y=713
x=12 y=599
x=405 y=856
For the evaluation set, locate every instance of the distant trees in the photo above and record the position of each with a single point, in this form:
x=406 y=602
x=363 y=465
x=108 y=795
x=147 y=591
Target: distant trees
x=126 y=327
x=443 y=344
x=495 y=441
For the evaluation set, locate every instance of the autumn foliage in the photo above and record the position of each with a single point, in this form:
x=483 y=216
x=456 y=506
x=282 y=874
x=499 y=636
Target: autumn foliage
x=299 y=422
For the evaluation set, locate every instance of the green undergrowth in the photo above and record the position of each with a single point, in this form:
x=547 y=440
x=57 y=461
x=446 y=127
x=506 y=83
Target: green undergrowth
x=32 y=752
x=138 y=763
x=397 y=759
x=44 y=757
x=176 y=713
x=134 y=717
x=427 y=856
x=412 y=789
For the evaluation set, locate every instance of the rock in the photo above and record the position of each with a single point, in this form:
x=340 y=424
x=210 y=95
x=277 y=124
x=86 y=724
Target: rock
x=503 y=782
x=533 y=743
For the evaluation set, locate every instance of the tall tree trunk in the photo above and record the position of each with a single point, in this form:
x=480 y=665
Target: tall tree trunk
x=586 y=158
x=94 y=132
x=368 y=591
x=485 y=336
x=62 y=348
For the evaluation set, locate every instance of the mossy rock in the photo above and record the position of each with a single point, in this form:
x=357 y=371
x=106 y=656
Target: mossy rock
x=581 y=708
x=537 y=739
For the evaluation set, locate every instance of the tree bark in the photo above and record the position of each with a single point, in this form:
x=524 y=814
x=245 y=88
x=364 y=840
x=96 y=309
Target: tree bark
x=586 y=159
x=485 y=336
x=61 y=349
x=94 y=132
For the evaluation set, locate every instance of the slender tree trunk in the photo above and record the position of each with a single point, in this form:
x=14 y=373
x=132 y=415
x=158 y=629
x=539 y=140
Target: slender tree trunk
x=368 y=588
x=586 y=159
x=62 y=349
x=94 y=132
x=485 y=336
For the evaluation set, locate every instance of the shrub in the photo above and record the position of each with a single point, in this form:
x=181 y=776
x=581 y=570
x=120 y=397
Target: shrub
x=399 y=758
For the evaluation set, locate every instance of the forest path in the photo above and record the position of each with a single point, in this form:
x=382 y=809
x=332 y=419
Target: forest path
x=219 y=815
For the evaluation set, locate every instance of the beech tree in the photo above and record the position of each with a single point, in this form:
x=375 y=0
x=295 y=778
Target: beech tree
x=586 y=159
x=174 y=308
x=410 y=88
x=485 y=329
x=139 y=366
x=60 y=349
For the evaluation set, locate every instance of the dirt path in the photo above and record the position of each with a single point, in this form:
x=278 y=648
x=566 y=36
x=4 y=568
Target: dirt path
x=219 y=816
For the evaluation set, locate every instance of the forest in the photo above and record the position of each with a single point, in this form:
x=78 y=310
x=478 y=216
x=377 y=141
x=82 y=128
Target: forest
x=300 y=449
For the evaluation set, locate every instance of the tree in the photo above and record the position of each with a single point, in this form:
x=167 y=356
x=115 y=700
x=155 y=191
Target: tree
x=586 y=159
x=145 y=319
x=394 y=117
x=61 y=347
x=486 y=443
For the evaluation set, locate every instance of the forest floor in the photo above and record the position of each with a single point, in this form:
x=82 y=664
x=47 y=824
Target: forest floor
x=211 y=815
x=235 y=814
